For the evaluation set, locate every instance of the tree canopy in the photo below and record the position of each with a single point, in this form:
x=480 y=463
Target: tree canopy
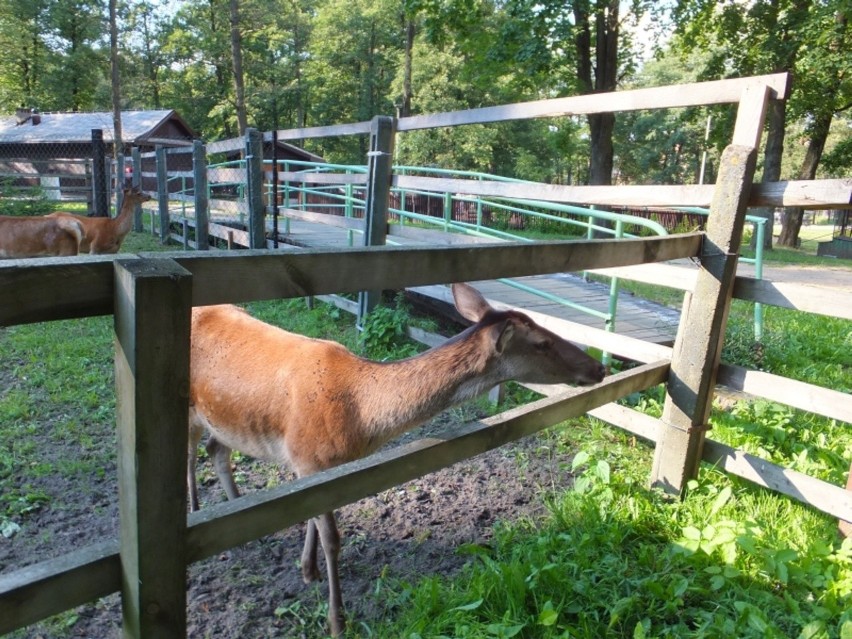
x=225 y=64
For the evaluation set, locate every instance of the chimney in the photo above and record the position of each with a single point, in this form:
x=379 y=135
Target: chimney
x=35 y=117
x=22 y=115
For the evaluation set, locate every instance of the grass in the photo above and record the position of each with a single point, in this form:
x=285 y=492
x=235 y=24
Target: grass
x=611 y=558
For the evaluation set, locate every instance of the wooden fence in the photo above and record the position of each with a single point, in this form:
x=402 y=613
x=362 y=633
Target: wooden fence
x=150 y=297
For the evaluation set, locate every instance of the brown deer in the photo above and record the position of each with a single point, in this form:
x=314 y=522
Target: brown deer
x=311 y=404
x=38 y=236
x=104 y=234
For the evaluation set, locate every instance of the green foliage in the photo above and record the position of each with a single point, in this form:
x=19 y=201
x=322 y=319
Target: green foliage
x=614 y=559
x=61 y=374
x=11 y=202
x=384 y=336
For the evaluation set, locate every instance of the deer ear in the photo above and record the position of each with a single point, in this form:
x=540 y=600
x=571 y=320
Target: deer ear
x=503 y=333
x=469 y=302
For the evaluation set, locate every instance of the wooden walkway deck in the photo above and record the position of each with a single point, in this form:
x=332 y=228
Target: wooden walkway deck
x=634 y=317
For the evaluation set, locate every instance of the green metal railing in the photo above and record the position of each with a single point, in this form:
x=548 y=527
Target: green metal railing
x=348 y=200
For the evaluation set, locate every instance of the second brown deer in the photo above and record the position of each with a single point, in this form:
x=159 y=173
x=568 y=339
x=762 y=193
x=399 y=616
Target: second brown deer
x=105 y=234
x=311 y=404
x=38 y=236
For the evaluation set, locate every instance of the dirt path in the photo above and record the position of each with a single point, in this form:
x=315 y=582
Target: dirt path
x=825 y=276
x=255 y=591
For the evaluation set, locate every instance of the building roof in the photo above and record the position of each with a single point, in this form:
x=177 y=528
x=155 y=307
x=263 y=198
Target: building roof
x=136 y=127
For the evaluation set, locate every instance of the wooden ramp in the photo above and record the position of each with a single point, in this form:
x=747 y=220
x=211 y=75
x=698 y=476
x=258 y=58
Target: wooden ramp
x=635 y=317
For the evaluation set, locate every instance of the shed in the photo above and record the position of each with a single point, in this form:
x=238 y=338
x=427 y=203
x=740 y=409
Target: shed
x=55 y=150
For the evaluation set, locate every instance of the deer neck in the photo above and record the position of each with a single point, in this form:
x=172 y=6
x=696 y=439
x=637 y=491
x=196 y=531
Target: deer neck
x=401 y=395
x=124 y=220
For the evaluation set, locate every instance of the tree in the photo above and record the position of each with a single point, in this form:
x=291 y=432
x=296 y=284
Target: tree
x=763 y=36
x=355 y=47
x=118 y=144
x=574 y=47
x=237 y=60
x=76 y=29
x=24 y=64
x=825 y=86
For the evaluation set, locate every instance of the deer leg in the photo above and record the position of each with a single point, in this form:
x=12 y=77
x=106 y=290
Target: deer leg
x=330 y=538
x=221 y=456
x=310 y=572
x=195 y=432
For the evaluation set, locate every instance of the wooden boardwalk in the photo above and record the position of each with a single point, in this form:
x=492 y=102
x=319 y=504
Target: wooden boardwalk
x=634 y=317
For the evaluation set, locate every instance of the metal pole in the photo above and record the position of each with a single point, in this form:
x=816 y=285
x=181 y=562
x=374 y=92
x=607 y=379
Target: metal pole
x=275 y=189
x=99 y=186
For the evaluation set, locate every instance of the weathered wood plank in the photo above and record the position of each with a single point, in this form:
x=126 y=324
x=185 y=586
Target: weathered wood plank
x=319 y=178
x=751 y=115
x=32 y=288
x=336 y=221
x=790 y=392
x=226 y=175
x=822 y=194
x=50 y=587
x=265 y=275
x=354 y=128
x=152 y=330
x=41 y=289
x=234 y=522
x=698 y=344
x=830 y=499
x=802 y=297
x=698 y=93
x=809 y=194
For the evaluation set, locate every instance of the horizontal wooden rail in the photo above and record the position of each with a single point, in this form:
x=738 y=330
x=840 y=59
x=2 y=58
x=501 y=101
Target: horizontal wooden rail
x=61 y=288
x=801 y=297
x=684 y=95
x=810 y=194
x=47 y=588
x=827 y=497
x=790 y=392
x=695 y=94
x=319 y=178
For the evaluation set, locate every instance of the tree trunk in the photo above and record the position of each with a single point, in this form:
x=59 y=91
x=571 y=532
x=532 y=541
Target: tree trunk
x=792 y=221
x=772 y=154
x=405 y=107
x=237 y=58
x=118 y=145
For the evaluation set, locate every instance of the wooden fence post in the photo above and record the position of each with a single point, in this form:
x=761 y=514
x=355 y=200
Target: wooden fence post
x=698 y=345
x=119 y=182
x=152 y=325
x=136 y=183
x=99 y=185
x=202 y=201
x=379 y=172
x=254 y=188
x=163 y=193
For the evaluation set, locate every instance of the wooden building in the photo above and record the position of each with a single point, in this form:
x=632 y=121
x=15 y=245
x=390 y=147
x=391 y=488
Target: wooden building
x=54 y=151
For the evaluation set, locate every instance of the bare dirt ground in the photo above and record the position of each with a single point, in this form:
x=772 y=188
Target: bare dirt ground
x=255 y=590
